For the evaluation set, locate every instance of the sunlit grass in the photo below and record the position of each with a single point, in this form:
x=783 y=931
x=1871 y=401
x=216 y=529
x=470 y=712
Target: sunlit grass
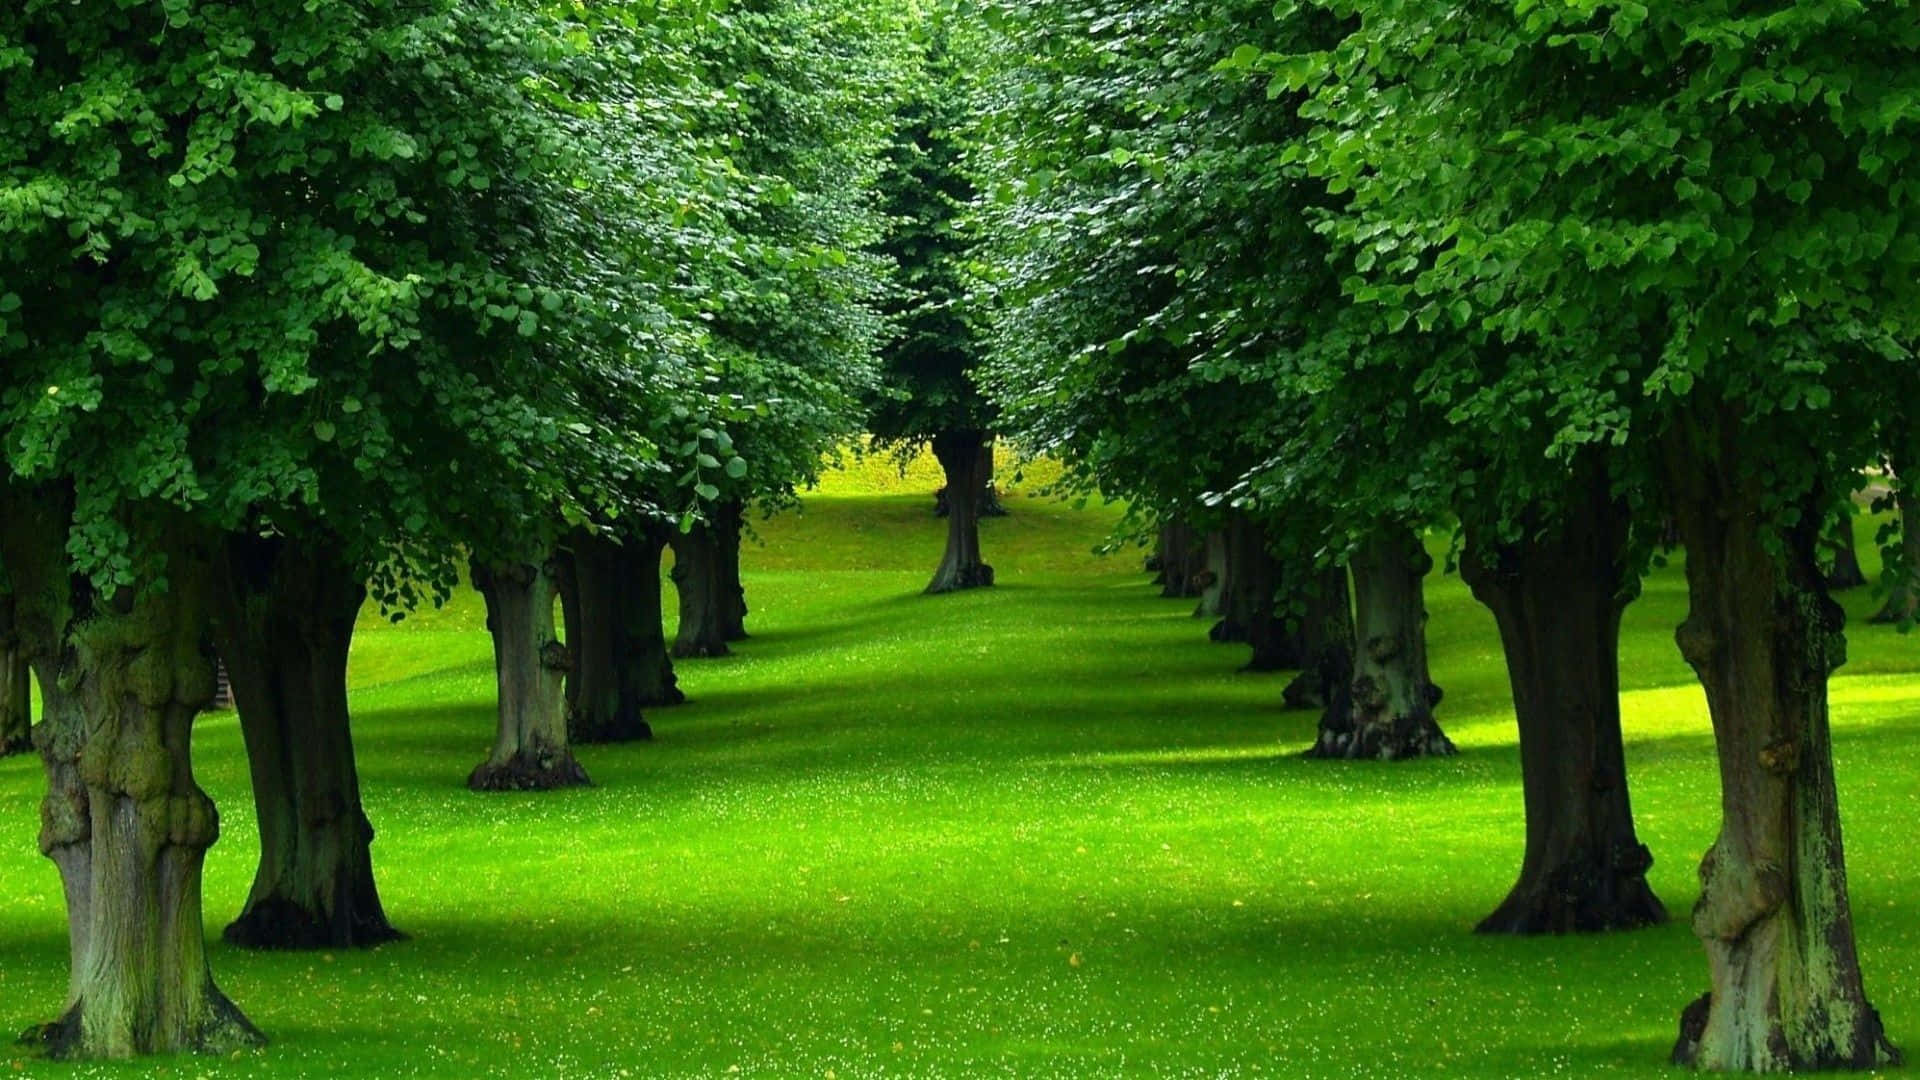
x=1044 y=830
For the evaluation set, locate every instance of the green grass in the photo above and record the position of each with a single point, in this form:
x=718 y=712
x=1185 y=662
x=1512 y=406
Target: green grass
x=1042 y=830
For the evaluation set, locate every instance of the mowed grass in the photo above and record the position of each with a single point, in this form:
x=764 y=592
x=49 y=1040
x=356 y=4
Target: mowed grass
x=1041 y=830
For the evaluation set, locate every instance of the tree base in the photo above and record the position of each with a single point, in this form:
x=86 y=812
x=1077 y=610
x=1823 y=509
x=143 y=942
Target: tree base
x=1387 y=742
x=1581 y=899
x=1874 y=1052
x=663 y=700
x=524 y=773
x=226 y=1031
x=1306 y=691
x=978 y=576
x=701 y=650
x=15 y=746
x=615 y=730
x=1228 y=632
x=278 y=923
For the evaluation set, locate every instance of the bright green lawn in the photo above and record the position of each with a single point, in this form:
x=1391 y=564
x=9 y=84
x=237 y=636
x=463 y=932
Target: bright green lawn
x=1039 y=830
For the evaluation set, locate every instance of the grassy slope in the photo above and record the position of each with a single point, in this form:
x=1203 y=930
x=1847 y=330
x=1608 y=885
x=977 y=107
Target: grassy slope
x=1041 y=830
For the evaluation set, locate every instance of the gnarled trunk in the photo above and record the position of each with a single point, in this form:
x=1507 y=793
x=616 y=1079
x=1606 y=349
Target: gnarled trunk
x=124 y=821
x=1557 y=595
x=1393 y=695
x=530 y=750
x=729 y=523
x=961 y=567
x=698 y=578
x=1903 y=572
x=1763 y=635
x=620 y=657
x=1846 y=572
x=1182 y=559
x=283 y=615
x=1325 y=681
x=16 y=685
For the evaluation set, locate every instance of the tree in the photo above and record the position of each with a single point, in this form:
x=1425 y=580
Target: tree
x=929 y=396
x=256 y=301
x=16 y=687
x=1745 y=283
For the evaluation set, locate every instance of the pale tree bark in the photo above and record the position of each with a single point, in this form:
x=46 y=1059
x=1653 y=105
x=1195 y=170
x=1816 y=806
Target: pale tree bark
x=1763 y=636
x=124 y=821
x=961 y=567
x=1214 y=580
x=698 y=578
x=283 y=618
x=531 y=750
x=1393 y=695
x=16 y=685
x=1557 y=594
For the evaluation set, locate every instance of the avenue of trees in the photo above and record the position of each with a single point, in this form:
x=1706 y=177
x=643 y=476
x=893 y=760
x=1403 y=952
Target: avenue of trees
x=310 y=306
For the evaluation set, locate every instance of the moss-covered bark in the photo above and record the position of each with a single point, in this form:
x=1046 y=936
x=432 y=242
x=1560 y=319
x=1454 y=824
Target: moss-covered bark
x=1393 y=695
x=531 y=750
x=124 y=820
x=961 y=567
x=1763 y=636
x=16 y=685
x=1557 y=594
x=283 y=617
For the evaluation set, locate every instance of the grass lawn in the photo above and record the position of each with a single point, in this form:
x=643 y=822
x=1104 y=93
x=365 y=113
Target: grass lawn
x=1040 y=830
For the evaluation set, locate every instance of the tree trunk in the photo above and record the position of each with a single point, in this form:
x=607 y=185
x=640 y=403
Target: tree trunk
x=1846 y=572
x=621 y=665
x=1183 y=559
x=729 y=523
x=283 y=615
x=1393 y=696
x=1325 y=681
x=124 y=821
x=961 y=568
x=1213 y=580
x=697 y=576
x=16 y=685
x=530 y=751
x=1903 y=573
x=1763 y=636
x=990 y=504
x=1557 y=596
x=1253 y=589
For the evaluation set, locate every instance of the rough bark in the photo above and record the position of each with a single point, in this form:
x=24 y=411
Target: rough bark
x=1325 y=681
x=1182 y=555
x=1903 y=577
x=620 y=657
x=1393 y=696
x=961 y=567
x=1763 y=636
x=698 y=578
x=1557 y=595
x=283 y=615
x=16 y=686
x=729 y=523
x=531 y=751
x=990 y=504
x=124 y=821
x=1846 y=572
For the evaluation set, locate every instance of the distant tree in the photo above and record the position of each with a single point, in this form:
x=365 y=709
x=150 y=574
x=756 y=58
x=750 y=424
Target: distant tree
x=929 y=396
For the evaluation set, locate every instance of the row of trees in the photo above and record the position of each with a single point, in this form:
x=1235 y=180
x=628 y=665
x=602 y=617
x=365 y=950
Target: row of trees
x=1567 y=280
x=305 y=305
